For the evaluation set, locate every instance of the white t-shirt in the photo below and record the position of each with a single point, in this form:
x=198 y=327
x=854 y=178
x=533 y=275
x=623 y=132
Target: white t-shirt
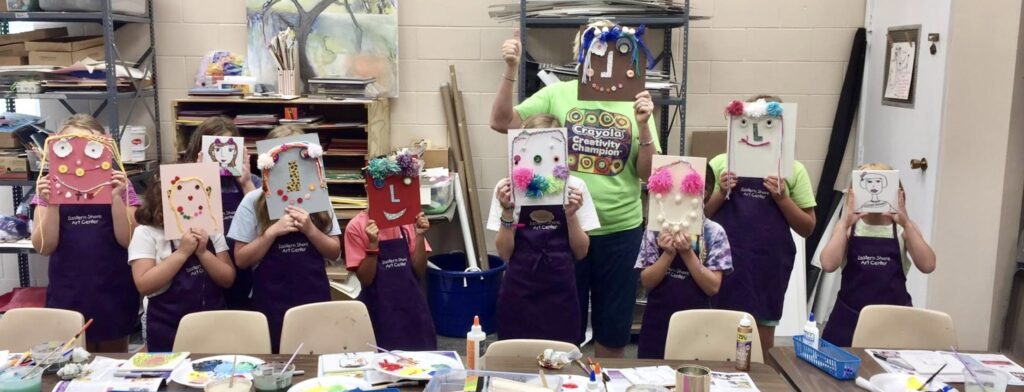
x=148 y=243
x=586 y=215
x=244 y=226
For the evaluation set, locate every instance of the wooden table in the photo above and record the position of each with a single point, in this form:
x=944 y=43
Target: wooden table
x=805 y=377
x=766 y=378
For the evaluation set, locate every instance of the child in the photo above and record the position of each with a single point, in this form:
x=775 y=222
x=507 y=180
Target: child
x=391 y=290
x=884 y=239
x=288 y=256
x=538 y=298
x=232 y=191
x=87 y=248
x=758 y=216
x=179 y=277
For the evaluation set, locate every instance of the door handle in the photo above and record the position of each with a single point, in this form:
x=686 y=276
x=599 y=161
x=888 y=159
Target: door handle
x=919 y=164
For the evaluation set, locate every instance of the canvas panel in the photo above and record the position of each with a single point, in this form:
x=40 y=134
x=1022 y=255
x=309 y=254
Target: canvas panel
x=761 y=144
x=228 y=152
x=293 y=174
x=537 y=166
x=676 y=187
x=80 y=168
x=876 y=190
x=191 y=199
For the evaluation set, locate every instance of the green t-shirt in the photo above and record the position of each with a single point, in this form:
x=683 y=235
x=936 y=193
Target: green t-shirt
x=799 y=184
x=603 y=145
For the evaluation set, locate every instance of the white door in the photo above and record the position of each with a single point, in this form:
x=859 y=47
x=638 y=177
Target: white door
x=895 y=135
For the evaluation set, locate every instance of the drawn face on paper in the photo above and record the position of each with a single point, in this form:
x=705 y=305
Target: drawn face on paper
x=874 y=190
x=80 y=168
x=227 y=152
x=295 y=175
x=538 y=166
x=192 y=198
x=611 y=74
x=873 y=183
x=394 y=202
x=676 y=186
x=902 y=57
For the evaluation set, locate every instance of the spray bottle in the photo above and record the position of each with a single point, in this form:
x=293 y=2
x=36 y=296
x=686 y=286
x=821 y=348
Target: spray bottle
x=743 y=343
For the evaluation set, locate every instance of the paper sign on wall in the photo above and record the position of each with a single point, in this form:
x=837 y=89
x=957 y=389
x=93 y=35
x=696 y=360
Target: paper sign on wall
x=81 y=166
x=876 y=190
x=393 y=190
x=676 y=187
x=613 y=63
x=537 y=166
x=191 y=198
x=293 y=174
x=228 y=152
x=762 y=138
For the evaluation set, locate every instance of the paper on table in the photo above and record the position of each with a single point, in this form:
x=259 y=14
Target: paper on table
x=732 y=382
x=930 y=358
x=1001 y=362
x=100 y=377
x=651 y=375
x=618 y=382
x=329 y=364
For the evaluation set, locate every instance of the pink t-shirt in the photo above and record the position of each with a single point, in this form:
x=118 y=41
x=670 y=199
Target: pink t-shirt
x=356 y=242
x=133 y=198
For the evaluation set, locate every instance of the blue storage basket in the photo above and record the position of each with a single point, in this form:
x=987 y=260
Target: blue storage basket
x=833 y=360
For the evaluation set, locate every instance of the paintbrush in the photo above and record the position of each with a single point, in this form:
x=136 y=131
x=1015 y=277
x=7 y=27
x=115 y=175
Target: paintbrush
x=58 y=350
x=921 y=388
x=389 y=352
x=582 y=366
x=956 y=354
x=234 y=366
x=285 y=368
x=543 y=380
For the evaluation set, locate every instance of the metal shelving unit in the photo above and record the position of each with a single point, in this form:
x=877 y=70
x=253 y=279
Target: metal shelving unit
x=673 y=104
x=110 y=99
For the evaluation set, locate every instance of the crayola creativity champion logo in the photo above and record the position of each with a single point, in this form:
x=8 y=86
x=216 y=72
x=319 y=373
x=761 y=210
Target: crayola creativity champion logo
x=599 y=141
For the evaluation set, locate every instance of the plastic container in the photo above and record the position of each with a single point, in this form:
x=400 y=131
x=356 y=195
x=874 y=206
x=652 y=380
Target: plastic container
x=272 y=377
x=456 y=296
x=53 y=362
x=474 y=337
x=441 y=194
x=811 y=334
x=11 y=380
x=455 y=380
x=130 y=7
x=225 y=385
x=833 y=360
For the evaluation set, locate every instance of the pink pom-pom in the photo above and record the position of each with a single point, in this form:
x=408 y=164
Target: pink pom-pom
x=735 y=108
x=693 y=184
x=521 y=177
x=660 y=182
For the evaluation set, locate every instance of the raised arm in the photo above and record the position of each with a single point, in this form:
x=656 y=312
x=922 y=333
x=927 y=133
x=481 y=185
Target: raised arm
x=503 y=117
x=920 y=252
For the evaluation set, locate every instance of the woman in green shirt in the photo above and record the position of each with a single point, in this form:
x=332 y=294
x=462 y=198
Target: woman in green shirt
x=610 y=148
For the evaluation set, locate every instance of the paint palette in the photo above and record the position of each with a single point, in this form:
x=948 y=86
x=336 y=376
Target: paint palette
x=200 y=372
x=155 y=362
x=416 y=366
x=330 y=384
x=574 y=383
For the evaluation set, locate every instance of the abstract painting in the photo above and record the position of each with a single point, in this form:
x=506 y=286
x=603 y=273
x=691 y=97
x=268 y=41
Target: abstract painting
x=336 y=38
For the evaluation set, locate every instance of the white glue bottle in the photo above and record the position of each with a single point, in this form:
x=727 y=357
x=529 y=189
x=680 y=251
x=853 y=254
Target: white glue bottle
x=475 y=336
x=811 y=335
x=743 y=343
x=592 y=385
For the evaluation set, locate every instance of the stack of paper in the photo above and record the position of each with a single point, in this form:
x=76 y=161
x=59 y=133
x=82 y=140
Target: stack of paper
x=925 y=363
x=341 y=87
x=569 y=8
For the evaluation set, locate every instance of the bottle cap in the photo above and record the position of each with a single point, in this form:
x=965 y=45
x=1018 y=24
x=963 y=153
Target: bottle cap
x=812 y=317
x=745 y=321
x=593 y=376
x=476 y=319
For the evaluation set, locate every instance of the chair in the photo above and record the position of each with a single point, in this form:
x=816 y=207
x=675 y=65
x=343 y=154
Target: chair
x=524 y=348
x=904 y=327
x=708 y=335
x=327 y=327
x=223 y=331
x=22 y=328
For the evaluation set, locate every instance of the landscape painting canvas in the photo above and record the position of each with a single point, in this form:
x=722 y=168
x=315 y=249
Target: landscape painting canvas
x=336 y=38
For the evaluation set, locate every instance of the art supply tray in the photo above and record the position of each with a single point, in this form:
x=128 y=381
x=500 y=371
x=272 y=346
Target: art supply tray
x=833 y=360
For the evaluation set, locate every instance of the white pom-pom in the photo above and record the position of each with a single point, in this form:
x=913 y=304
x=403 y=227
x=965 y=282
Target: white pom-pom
x=314 y=151
x=661 y=218
x=665 y=226
x=679 y=198
x=756 y=109
x=676 y=229
x=695 y=201
x=657 y=196
x=265 y=162
x=604 y=29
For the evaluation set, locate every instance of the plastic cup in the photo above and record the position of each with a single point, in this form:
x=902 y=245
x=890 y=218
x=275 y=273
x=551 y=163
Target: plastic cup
x=53 y=362
x=272 y=377
x=988 y=380
x=225 y=385
x=12 y=380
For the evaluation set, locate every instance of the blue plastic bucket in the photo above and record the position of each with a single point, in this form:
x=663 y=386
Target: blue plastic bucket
x=456 y=296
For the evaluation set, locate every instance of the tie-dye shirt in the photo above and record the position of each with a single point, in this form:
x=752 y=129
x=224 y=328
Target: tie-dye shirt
x=719 y=257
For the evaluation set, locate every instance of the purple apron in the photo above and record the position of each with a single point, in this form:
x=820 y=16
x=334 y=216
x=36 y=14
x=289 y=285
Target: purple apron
x=537 y=299
x=398 y=309
x=762 y=252
x=292 y=273
x=192 y=290
x=89 y=273
x=873 y=275
x=237 y=296
x=677 y=291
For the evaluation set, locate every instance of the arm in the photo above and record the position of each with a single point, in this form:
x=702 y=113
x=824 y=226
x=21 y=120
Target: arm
x=834 y=252
x=367 y=270
x=503 y=117
x=642 y=109
x=802 y=220
x=726 y=181
x=505 y=239
x=652 y=276
x=329 y=246
x=709 y=281
x=419 y=254
x=579 y=241
x=922 y=254
x=150 y=277
x=120 y=211
x=248 y=254
x=245 y=180
x=217 y=265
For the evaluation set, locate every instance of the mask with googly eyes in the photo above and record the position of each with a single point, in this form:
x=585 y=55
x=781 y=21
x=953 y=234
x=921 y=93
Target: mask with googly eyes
x=537 y=166
x=757 y=144
x=80 y=168
x=613 y=63
x=676 y=188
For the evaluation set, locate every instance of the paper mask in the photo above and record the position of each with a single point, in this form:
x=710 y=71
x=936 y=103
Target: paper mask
x=762 y=137
x=613 y=63
x=80 y=168
x=393 y=190
x=191 y=193
x=227 y=152
x=876 y=190
x=538 y=166
x=293 y=174
x=676 y=187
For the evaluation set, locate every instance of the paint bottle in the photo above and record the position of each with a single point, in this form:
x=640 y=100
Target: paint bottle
x=592 y=384
x=811 y=335
x=475 y=336
x=743 y=343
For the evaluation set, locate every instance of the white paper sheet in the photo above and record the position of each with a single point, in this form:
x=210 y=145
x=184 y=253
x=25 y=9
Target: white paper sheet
x=901 y=70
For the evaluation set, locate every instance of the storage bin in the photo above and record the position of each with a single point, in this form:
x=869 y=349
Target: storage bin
x=456 y=296
x=833 y=360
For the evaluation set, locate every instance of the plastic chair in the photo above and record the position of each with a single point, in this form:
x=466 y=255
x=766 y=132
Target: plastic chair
x=223 y=331
x=903 y=327
x=22 y=328
x=328 y=328
x=708 y=335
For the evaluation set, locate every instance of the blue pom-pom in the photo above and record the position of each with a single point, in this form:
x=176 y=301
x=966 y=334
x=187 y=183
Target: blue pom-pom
x=537 y=187
x=774 y=109
x=379 y=168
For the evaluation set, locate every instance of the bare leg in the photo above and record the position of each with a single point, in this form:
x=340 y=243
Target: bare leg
x=108 y=346
x=767 y=338
x=602 y=351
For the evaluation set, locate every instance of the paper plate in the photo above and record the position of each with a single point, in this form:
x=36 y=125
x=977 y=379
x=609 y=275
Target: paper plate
x=423 y=369
x=574 y=383
x=896 y=382
x=330 y=384
x=198 y=373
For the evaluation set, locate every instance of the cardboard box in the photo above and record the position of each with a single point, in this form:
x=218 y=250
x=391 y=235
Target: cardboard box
x=33 y=35
x=64 y=58
x=9 y=140
x=435 y=157
x=13 y=60
x=13 y=164
x=64 y=44
x=17 y=49
x=708 y=144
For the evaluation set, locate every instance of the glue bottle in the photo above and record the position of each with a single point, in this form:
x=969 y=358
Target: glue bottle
x=592 y=384
x=473 y=338
x=811 y=335
x=743 y=343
